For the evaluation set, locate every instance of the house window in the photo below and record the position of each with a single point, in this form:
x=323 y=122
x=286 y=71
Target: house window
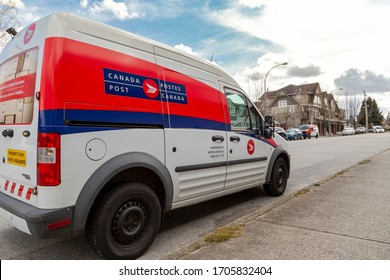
x=232 y=111
x=292 y=109
x=317 y=100
x=282 y=103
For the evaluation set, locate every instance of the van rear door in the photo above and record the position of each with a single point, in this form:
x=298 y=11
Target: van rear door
x=18 y=129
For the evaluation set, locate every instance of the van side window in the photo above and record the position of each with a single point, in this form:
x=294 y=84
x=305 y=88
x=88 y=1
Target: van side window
x=255 y=119
x=238 y=110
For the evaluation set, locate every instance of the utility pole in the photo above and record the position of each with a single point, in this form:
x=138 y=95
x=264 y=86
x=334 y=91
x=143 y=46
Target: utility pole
x=365 y=110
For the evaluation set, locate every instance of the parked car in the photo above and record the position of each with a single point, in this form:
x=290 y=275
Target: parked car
x=294 y=134
x=309 y=131
x=360 y=130
x=378 y=129
x=348 y=131
x=280 y=131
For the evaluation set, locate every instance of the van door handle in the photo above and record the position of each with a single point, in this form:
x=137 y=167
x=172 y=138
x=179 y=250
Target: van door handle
x=235 y=139
x=217 y=138
x=8 y=133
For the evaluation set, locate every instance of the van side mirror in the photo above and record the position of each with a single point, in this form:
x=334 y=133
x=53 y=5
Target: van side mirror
x=268 y=121
x=268 y=133
x=268 y=127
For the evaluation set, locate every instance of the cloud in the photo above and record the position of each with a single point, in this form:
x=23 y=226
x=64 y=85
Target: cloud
x=356 y=81
x=249 y=3
x=84 y=3
x=26 y=14
x=18 y=4
x=299 y=70
x=186 y=49
x=307 y=71
x=136 y=9
x=118 y=9
x=342 y=39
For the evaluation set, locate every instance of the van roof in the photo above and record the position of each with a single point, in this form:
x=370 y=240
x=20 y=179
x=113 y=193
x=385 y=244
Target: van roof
x=71 y=24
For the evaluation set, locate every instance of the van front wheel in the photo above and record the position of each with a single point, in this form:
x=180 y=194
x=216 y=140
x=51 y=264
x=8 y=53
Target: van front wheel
x=277 y=184
x=125 y=222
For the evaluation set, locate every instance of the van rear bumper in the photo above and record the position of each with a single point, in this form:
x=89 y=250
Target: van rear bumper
x=41 y=223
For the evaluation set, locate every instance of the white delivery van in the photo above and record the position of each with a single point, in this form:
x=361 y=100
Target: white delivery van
x=104 y=131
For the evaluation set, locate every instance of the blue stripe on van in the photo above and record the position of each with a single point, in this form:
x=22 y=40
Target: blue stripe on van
x=78 y=121
x=197 y=123
x=115 y=117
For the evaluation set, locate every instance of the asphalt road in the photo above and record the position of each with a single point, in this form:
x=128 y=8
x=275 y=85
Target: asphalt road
x=312 y=161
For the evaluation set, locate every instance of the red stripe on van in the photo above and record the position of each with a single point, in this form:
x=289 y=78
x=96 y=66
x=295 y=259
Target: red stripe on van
x=272 y=142
x=77 y=82
x=78 y=77
x=29 y=193
x=6 y=185
x=20 y=191
x=13 y=187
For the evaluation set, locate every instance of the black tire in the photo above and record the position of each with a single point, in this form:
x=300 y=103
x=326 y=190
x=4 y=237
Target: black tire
x=125 y=222
x=277 y=184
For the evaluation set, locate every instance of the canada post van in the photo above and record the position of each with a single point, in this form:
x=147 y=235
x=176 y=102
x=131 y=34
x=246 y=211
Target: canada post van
x=104 y=131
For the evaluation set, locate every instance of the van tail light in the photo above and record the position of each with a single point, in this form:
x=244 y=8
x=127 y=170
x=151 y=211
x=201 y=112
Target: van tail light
x=49 y=162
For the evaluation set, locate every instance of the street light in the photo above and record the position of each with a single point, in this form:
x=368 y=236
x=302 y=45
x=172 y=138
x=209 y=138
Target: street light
x=265 y=85
x=329 y=103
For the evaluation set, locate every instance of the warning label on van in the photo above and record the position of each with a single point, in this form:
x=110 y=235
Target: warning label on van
x=133 y=85
x=16 y=157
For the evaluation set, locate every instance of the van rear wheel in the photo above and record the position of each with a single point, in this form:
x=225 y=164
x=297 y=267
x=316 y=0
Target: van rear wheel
x=277 y=184
x=125 y=222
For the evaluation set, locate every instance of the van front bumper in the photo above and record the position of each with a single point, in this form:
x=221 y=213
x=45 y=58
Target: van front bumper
x=41 y=223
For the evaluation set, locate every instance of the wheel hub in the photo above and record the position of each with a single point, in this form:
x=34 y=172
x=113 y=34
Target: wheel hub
x=280 y=176
x=129 y=222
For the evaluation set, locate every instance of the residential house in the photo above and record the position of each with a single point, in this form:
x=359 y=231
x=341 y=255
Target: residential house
x=293 y=105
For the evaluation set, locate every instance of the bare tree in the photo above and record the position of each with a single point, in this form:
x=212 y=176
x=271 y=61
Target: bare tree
x=8 y=18
x=354 y=108
x=347 y=107
x=254 y=85
x=351 y=105
x=285 y=118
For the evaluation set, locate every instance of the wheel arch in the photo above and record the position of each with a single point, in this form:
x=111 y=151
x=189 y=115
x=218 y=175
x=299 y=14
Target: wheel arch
x=134 y=167
x=278 y=152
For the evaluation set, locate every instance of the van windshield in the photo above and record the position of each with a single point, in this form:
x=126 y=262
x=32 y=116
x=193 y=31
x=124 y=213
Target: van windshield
x=17 y=86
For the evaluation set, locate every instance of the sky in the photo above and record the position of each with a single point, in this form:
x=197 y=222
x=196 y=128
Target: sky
x=337 y=43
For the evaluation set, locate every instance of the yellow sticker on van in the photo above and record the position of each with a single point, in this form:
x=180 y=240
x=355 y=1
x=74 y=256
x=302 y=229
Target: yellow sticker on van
x=16 y=157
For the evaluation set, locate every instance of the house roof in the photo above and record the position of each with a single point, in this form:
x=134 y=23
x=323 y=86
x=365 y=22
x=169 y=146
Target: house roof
x=283 y=96
x=293 y=89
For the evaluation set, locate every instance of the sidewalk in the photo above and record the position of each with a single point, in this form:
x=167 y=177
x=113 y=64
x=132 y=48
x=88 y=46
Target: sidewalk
x=343 y=218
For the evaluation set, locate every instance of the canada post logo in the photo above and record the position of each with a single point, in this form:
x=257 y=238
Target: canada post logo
x=132 y=85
